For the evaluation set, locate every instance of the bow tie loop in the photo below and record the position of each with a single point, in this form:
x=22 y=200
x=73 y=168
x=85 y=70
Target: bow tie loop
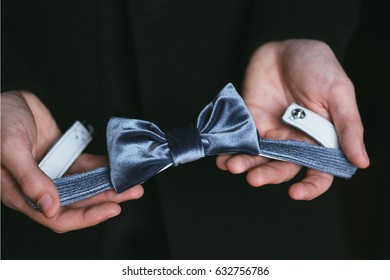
x=185 y=144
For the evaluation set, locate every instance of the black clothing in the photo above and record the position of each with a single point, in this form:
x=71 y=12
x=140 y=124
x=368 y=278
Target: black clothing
x=163 y=60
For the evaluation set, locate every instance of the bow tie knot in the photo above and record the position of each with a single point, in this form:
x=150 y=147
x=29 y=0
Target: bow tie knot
x=185 y=144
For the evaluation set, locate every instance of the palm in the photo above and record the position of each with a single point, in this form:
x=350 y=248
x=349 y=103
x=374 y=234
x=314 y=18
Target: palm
x=305 y=72
x=273 y=82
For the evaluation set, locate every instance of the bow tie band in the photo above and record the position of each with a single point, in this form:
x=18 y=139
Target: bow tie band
x=138 y=149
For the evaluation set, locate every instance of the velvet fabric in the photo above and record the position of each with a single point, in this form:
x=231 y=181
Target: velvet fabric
x=139 y=149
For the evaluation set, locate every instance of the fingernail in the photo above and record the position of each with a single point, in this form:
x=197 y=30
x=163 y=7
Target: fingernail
x=45 y=203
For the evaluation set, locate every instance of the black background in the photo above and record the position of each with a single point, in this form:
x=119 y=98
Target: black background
x=366 y=198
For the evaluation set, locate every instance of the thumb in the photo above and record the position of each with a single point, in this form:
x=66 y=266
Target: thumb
x=33 y=182
x=346 y=117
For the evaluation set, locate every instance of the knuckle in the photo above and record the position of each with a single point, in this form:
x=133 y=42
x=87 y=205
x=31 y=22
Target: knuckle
x=254 y=179
x=58 y=230
x=10 y=193
x=343 y=87
x=29 y=184
x=55 y=224
x=276 y=174
x=57 y=227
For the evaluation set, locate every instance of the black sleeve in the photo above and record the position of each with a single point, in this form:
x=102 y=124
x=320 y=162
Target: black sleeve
x=331 y=21
x=15 y=74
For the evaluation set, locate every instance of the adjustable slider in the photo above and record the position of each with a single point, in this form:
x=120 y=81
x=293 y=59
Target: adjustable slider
x=317 y=127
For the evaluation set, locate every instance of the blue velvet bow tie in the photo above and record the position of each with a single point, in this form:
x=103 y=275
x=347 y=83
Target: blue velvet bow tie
x=139 y=150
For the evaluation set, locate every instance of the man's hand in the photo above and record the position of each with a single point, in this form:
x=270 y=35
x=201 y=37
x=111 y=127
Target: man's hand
x=308 y=73
x=27 y=132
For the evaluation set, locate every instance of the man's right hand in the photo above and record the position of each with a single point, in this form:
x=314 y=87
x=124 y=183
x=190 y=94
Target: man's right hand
x=27 y=131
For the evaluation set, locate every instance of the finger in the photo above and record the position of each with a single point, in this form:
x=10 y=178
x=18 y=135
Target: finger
x=273 y=172
x=32 y=181
x=345 y=114
x=111 y=196
x=77 y=218
x=86 y=162
x=48 y=131
x=313 y=185
x=11 y=195
x=221 y=161
x=67 y=219
x=242 y=163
